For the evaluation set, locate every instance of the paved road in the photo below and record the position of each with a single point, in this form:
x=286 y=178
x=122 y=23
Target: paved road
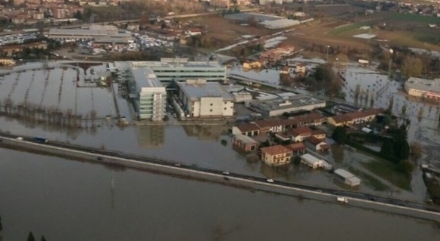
x=101 y=155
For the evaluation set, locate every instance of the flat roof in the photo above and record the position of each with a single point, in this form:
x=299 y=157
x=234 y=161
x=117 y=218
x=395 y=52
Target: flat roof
x=310 y=159
x=196 y=89
x=177 y=62
x=343 y=173
x=145 y=77
x=246 y=139
x=423 y=84
x=245 y=16
x=286 y=103
x=280 y=23
x=57 y=31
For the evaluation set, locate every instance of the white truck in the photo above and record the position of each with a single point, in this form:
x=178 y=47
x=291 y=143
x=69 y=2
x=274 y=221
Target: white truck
x=342 y=199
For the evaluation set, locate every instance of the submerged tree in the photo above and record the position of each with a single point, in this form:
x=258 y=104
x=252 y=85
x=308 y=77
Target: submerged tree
x=31 y=237
x=340 y=135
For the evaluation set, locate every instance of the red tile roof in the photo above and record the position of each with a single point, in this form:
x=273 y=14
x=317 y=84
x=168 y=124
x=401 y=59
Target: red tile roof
x=318 y=132
x=275 y=150
x=315 y=141
x=248 y=127
x=356 y=115
x=195 y=30
x=268 y=123
x=311 y=117
x=303 y=130
x=296 y=146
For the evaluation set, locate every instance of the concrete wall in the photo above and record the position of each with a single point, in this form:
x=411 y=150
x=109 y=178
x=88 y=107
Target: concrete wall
x=211 y=106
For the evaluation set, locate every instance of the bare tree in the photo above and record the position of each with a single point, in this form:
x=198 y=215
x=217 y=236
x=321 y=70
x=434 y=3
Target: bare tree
x=93 y=116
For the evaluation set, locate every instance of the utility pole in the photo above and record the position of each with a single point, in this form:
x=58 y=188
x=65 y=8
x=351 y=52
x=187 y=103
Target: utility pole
x=389 y=65
x=328 y=46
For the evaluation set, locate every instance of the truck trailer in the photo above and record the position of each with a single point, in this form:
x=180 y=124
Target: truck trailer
x=40 y=140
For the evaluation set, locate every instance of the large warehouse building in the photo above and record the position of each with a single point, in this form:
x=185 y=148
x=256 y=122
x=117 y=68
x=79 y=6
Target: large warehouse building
x=87 y=32
x=200 y=98
x=168 y=70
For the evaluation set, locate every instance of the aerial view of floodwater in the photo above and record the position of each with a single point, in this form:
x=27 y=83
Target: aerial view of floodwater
x=69 y=200
x=83 y=201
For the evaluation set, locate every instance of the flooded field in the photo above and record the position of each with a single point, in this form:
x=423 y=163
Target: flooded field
x=59 y=89
x=202 y=145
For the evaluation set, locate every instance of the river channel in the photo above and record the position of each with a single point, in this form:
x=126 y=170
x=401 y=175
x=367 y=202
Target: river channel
x=70 y=200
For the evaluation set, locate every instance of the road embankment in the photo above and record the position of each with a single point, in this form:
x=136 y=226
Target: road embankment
x=224 y=179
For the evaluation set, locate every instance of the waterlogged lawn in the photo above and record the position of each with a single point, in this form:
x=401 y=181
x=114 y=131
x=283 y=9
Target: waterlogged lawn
x=387 y=171
x=406 y=17
x=369 y=180
x=351 y=28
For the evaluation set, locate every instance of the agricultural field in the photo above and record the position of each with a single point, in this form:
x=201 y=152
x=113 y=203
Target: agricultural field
x=336 y=28
x=389 y=27
x=227 y=31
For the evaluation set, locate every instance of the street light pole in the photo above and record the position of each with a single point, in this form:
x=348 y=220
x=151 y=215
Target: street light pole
x=328 y=46
x=389 y=64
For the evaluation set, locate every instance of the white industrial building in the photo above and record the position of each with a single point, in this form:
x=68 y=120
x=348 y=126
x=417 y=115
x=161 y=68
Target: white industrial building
x=314 y=163
x=200 y=98
x=265 y=2
x=151 y=95
x=310 y=161
x=89 y=32
x=240 y=97
x=347 y=177
x=280 y=23
x=283 y=104
x=168 y=70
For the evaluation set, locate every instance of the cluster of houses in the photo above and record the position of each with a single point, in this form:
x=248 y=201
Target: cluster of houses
x=269 y=56
x=296 y=136
x=276 y=54
x=32 y=11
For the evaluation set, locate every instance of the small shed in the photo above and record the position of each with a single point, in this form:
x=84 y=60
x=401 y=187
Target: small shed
x=347 y=177
x=311 y=161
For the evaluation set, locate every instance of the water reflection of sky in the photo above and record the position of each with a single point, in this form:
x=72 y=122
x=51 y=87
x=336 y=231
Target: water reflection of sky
x=58 y=88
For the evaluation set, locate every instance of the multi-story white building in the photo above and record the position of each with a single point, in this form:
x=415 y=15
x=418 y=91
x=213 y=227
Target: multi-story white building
x=200 y=98
x=168 y=70
x=151 y=95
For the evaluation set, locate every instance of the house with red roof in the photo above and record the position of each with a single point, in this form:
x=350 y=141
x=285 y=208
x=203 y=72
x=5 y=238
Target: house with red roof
x=276 y=155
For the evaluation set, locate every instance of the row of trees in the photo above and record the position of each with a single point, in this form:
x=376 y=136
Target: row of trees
x=324 y=78
x=52 y=116
x=398 y=146
x=32 y=238
x=395 y=149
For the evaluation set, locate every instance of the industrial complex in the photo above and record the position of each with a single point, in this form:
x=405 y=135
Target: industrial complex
x=149 y=94
x=168 y=70
x=195 y=88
